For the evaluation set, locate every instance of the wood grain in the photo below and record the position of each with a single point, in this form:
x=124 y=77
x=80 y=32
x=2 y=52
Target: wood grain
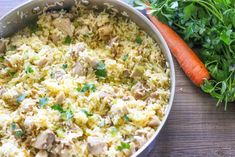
x=195 y=127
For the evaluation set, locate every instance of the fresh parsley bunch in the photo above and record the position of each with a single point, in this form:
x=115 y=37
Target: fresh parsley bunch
x=209 y=27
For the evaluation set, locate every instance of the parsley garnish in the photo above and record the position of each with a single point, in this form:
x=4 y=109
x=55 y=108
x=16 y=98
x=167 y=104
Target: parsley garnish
x=88 y=114
x=126 y=118
x=20 y=98
x=87 y=87
x=1 y=58
x=123 y=146
x=138 y=40
x=19 y=133
x=58 y=108
x=125 y=57
x=43 y=102
x=67 y=40
x=100 y=70
x=65 y=66
x=65 y=114
x=29 y=70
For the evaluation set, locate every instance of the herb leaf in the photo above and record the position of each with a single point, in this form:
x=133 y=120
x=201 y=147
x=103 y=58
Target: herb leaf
x=67 y=40
x=65 y=66
x=123 y=146
x=88 y=87
x=125 y=57
x=29 y=70
x=20 y=98
x=88 y=114
x=138 y=40
x=101 y=70
x=43 y=102
x=126 y=118
x=58 y=108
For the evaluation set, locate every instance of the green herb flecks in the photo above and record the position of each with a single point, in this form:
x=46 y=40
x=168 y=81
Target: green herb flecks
x=125 y=57
x=65 y=114
x=18 y=132
x=1 y=58
x=43 y=102
x=20 y=98
x=67 y=40
x=138 y=40
x=123 y=146
x=100 y=70
x=88 y=114
x=29 y=70
x=126 y=118
x=114 y=131
x=58 y=108
x=87 y=87
x=65 y=66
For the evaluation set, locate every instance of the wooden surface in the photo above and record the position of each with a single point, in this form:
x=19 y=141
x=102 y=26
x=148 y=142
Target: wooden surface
x=195 y=126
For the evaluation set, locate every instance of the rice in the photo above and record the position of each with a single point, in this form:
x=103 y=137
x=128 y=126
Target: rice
x=81 y=83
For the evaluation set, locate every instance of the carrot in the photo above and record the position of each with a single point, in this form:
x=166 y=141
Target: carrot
x=188 y=60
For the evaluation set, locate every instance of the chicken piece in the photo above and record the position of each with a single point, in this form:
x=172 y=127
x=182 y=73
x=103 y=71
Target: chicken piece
x=92 y=61
x=96 y=145
x=44 y=140
x=137 y=71
x=41 y=63
x=155 y=121
x=60 y=98
x=2 y=90
x=65 y=153
x=2 y=47
x=140 y=140
x=59 y=73
x=42 y=153
x=55 y=38
x=64 y=25
x=139 y=91
x=105 y=32
x=78 y=69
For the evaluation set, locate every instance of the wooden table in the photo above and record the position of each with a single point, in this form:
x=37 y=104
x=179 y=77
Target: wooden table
x=195 y=126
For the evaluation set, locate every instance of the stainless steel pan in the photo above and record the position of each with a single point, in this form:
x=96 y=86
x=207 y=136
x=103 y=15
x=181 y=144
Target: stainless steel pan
x=27 y=12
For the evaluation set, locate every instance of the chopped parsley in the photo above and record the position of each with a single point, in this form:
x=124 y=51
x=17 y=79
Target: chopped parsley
x=43 y=102
x=100 y=70
x=138 y=40
x=29 y=70
x=20 y=98
x=65 y=66
x=58 y=108
x=125 y=57
x=87 y=87
x=1 y=58
x=114 y=131
x=67 y=40
x=19 y=133
x=65 y=114
x=88 y=114
x=13 y=126
x=126 y=118
x=123 y=146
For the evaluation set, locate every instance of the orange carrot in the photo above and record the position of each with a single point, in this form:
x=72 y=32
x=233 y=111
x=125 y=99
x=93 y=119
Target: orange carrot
x=188 y=60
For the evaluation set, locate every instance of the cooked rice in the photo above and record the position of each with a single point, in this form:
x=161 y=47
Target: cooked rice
x=50 y=81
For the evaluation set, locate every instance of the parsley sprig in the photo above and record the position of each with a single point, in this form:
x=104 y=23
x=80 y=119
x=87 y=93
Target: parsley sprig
x=210 y=26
